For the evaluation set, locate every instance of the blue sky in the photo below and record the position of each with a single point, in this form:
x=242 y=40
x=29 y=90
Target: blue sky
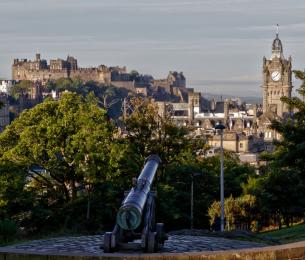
x=218 y=44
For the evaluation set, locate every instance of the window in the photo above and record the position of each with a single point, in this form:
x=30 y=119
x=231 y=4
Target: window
x=241 y=145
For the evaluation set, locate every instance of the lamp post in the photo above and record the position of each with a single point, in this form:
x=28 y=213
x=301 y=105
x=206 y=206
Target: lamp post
x=192 y=197
x=222 y=213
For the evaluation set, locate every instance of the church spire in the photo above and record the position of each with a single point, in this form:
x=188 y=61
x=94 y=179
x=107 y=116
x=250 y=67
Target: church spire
x=277 y=47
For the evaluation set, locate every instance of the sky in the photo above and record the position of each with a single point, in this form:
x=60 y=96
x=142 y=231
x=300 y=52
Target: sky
x=218 y=44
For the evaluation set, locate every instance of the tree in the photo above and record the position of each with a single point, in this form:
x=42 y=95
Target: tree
x=149 y=133
x=21 y=88
x=239 y=212
x=290 y=150
x=282 y=188
x=301 y=76
x=12 y=194
x=236 y=174
x=64 y=84
x=134 y=74
x=71 y=139
x=282 y=194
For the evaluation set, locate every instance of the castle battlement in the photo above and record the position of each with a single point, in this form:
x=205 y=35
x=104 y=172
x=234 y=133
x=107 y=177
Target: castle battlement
x=40 y=70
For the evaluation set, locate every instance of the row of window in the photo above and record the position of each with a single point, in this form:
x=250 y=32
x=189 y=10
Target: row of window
x=274 y=93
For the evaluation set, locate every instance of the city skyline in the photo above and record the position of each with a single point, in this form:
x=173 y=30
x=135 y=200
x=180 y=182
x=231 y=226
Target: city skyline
x=219 y=45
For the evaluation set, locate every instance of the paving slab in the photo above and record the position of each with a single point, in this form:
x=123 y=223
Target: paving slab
x=90 y=245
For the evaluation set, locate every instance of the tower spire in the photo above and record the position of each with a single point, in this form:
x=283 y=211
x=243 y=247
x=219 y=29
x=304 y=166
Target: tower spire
x=277 y=47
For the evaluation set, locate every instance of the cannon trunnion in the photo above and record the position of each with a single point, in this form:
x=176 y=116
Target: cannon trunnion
x=135 y=219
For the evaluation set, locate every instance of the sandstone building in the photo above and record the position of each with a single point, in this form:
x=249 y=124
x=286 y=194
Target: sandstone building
x=277 y=75
x=40 y=71
x=6 y=86
x=174 y=84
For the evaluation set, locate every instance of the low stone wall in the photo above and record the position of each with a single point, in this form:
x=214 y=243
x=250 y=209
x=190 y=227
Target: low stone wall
x=294 y=251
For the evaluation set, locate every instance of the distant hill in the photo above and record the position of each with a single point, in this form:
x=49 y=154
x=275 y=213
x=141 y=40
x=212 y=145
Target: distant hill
x=248 y=100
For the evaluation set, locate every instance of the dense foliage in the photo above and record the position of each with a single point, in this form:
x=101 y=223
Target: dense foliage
x=64 y=165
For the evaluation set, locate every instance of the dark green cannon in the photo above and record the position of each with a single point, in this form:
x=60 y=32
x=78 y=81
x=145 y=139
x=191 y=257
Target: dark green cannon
x=136 y=217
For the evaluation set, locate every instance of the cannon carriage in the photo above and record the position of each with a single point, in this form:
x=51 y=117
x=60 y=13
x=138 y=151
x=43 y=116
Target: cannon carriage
x=135 y=222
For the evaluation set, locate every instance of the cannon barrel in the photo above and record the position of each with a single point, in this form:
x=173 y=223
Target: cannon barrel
x=130 y=213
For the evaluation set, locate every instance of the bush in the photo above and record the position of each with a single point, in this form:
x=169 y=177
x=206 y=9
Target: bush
x=240 y=213
x=8 y=230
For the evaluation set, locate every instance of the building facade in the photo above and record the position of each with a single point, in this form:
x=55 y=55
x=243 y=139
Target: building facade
x=277 y=75
x=6 y=86
x=40 y=71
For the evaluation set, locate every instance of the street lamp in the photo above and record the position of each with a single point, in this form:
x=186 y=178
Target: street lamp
x=194 y=174
x=222 y=213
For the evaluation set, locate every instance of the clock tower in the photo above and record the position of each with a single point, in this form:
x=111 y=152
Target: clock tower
x=276 y=79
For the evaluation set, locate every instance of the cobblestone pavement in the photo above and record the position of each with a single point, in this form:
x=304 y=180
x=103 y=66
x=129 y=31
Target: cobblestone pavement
x=91 y=245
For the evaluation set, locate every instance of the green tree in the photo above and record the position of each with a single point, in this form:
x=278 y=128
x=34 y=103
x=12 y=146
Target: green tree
x=282 y=194
x=71 y=139
x=282 y=188
x=290 y=149
x=301 y=76
x=64 y=84
x=149 y=133
x=134 y=74
x=12 y=194
x=174 y=194
x=21 y=88
x=240 y=211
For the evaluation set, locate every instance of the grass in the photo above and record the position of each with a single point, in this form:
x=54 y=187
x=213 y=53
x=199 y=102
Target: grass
x=286 y=235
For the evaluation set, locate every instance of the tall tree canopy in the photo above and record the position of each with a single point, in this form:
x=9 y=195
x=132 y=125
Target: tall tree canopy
x=149 y=133
x=281 y=190
x=290 y=150
x=70 y=139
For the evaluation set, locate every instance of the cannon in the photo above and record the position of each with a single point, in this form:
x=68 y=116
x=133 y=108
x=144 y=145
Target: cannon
x=135 y=222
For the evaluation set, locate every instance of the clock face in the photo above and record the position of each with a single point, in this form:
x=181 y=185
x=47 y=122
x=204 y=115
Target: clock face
x=276 y=75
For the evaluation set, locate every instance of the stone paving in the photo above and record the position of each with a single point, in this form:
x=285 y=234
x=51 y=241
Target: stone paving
x=90 y=245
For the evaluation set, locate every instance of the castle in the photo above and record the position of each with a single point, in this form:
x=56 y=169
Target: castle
x=40 y=71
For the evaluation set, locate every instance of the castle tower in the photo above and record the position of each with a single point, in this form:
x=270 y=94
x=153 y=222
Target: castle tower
x=276 y=79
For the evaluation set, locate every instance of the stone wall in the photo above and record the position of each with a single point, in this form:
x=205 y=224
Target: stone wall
x=294 y=251
x=124 y=84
